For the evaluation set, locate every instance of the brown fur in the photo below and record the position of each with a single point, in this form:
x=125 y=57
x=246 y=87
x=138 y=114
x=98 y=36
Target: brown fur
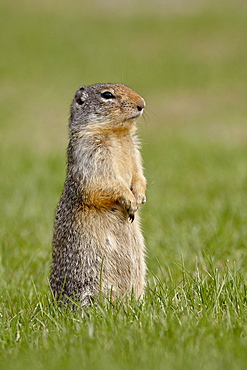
x=96 y=247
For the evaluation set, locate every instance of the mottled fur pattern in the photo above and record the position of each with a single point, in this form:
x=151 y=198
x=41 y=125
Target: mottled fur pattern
x=96 y=247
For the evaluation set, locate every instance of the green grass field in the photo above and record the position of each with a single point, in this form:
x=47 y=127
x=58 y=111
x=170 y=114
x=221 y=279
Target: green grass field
x=189 y=63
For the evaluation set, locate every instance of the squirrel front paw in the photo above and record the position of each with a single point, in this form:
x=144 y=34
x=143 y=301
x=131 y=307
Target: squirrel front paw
x=130 y=205
x=140 y=199
x=138 y=188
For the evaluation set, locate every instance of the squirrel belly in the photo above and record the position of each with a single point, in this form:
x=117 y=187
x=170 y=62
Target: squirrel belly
x=96 y=248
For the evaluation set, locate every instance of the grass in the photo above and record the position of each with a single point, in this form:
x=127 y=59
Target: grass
x=197 y=323
x=189 y=64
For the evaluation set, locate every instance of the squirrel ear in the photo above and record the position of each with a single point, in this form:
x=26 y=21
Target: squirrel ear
x=81 y=95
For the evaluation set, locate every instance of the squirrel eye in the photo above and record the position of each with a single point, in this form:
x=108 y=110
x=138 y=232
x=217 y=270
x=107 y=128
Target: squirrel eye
x=107 y=95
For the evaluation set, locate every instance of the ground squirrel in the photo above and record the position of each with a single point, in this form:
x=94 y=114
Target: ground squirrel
x=97 y=244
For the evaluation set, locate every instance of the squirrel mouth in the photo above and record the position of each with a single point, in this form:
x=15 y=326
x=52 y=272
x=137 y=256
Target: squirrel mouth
x=138 y=114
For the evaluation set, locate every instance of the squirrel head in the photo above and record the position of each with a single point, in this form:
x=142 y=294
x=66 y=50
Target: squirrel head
x=105 y=107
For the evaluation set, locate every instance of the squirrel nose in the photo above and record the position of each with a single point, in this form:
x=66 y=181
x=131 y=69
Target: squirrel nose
x=141 y=104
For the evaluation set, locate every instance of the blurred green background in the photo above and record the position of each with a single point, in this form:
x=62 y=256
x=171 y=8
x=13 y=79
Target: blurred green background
x=187 y=59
